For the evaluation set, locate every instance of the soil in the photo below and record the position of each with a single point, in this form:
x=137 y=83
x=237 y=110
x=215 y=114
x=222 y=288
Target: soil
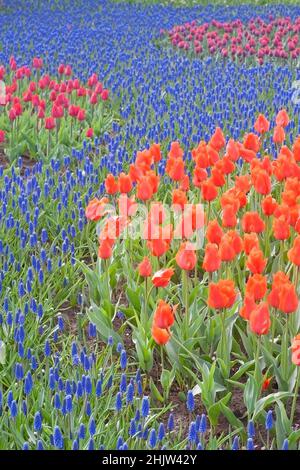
x=3 y=159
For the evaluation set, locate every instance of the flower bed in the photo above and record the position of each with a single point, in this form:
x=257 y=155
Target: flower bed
x=256 y=39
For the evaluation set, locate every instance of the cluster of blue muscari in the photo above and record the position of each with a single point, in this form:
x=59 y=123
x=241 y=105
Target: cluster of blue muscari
x=198 y=428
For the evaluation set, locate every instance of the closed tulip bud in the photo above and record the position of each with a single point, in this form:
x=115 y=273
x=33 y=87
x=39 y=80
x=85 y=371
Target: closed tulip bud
x=259 y=320
x=145 y=268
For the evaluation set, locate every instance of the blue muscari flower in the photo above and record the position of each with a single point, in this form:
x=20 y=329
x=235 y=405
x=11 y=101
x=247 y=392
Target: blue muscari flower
x=58 y=440
x=118 y=404
x=25 y=446
x=192 y=432
x=123 y=384
x=170 y=425
x=81 y=431
x=152 y=438
x=47 y=349
x=235 y=444
x=19 y=372
x=68 y=403
x=92 y=330
x=60 y=322
x=37 y=423
x=203 y=424
x=161 y=432
x=75 y=445
x=110 y=341
x=123 y=359
x=190 y=402
x=199 y=446
x=138 y=377
x=60 y=384
x=130 y=394
x=99 y=388
x=68 y=388
x=33 y=363
x=285 y=445
x=13 y=409
x=24 y=407
x=269 y=420
x=88 y=409
x=57 y=402
x=51 y=382
x=132 y=428
x=91 y=445
x=109 y=382
x=39 y=445
x=92 y=427
x=88 y=385
x=139 y=388
x=125 y=446
x=251 y=429
x=145 y=407
x=119 y=442
x=119 y=347
x=250 y=444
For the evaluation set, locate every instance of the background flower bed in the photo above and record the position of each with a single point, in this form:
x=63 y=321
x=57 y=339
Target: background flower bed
x=161 y=96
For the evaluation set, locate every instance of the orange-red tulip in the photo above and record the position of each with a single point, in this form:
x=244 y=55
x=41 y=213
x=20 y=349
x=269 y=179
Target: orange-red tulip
x=186 y=257
x=256 y=286
x=259 y=320
x=256 y=262
x=162 y=277
x=145 y=268
x=221 y=294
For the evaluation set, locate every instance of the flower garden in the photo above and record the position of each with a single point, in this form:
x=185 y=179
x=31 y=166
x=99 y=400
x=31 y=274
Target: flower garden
x=150 y=225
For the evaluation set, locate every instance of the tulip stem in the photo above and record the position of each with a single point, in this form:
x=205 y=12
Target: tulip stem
x=185 y=295
x=293 y=409
x=284 y=349
x=144 y=311
x=257 y=371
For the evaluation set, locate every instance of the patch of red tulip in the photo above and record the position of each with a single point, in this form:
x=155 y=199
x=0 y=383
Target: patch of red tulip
x=249 y=261
x=279 y=38
x=39 y=113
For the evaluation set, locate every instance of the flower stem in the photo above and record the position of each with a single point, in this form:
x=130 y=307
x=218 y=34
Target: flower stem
x=293 y=409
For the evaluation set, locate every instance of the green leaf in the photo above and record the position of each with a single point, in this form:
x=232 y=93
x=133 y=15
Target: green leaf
x=2 y=353
x=263 y=403
x=133 y=298
x=215 y=410
x=155 y=392
x=104 y=326
x=251 y=393
x=282 y=424
x=232 y=419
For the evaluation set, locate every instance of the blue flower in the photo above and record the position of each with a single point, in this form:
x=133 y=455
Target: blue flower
x=269 y=420
x=250 y=444
x=161 y=432
x=58 y=440
x=152 y=438
x=235 y=444
x=123 y=359
x=192 y=432
x=118 y=405
x=285 y=444
x=37 y=424
x=251 y=429
x=203 y=424
x=145 y=407
x=190 y=402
